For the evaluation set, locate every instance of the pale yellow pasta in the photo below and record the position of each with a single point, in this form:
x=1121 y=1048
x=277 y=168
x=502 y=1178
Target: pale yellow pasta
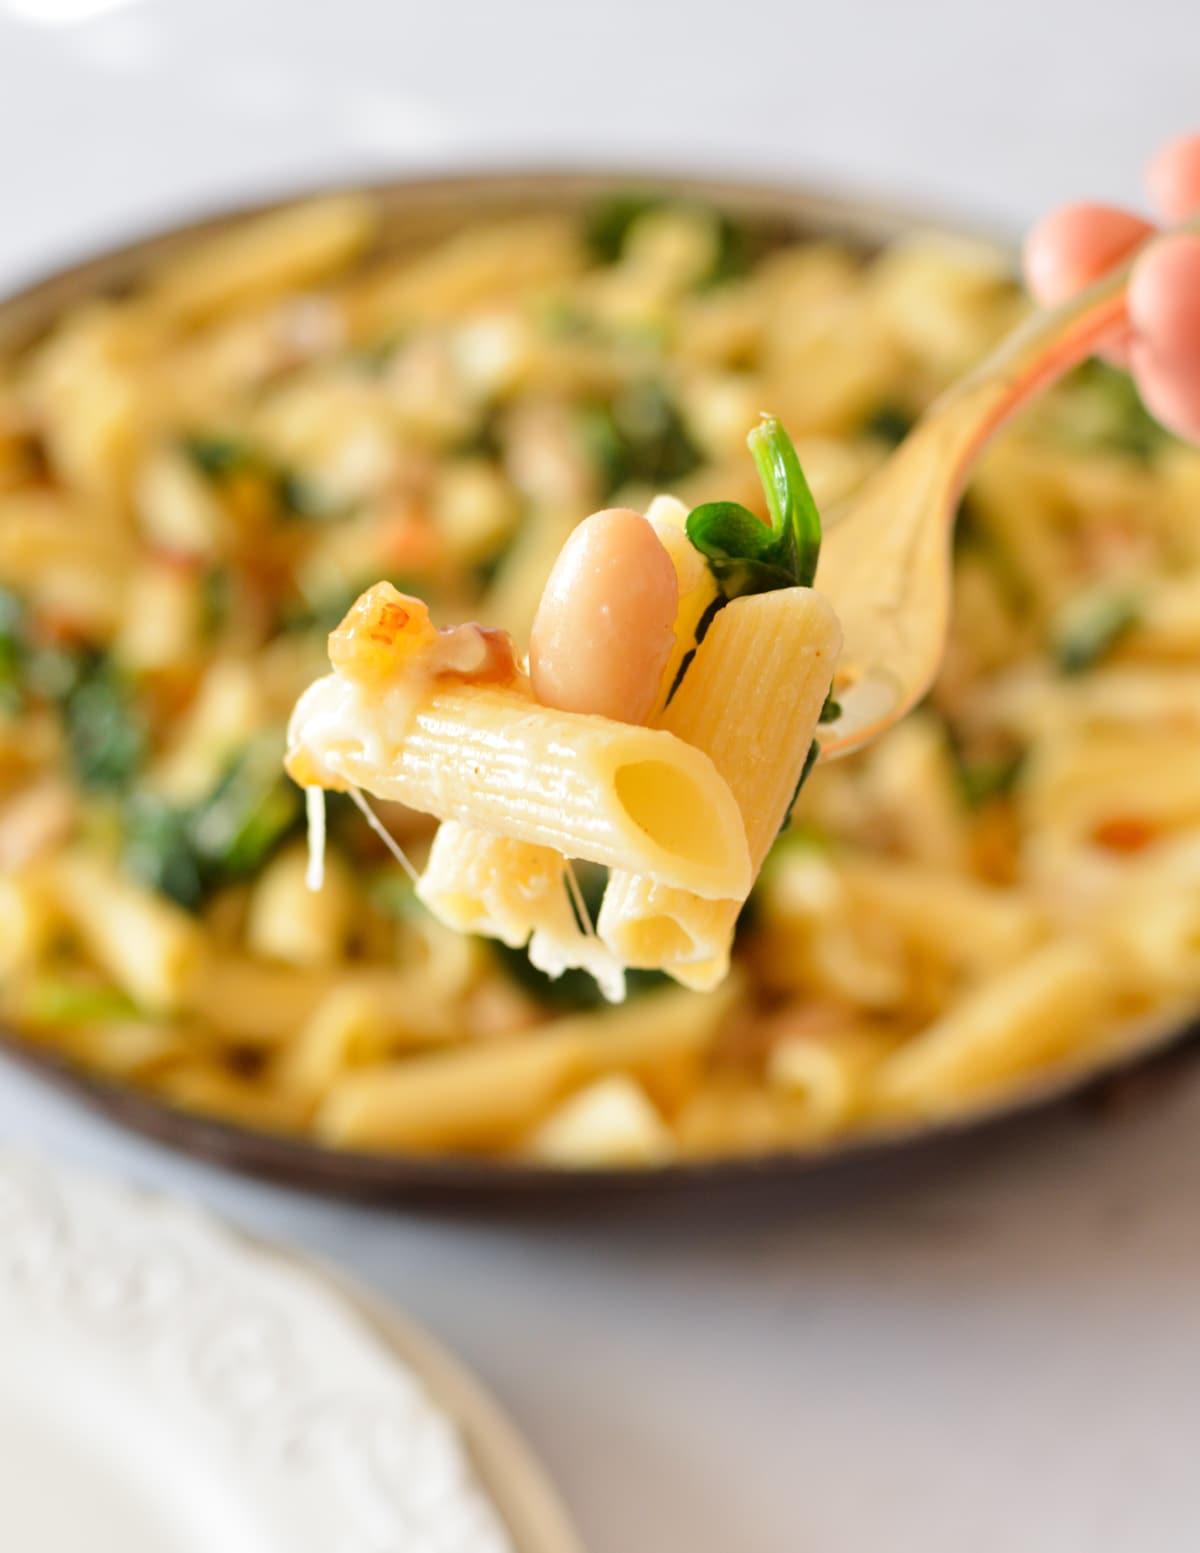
x=826 y=943
x=1023 y=1020
x=667 y=515
x=132 y=1049
x=483 y=1096
x=227 y=710
x=176 y=508
x=495 y=759
x=27 y=921
x=91 y=387
x=609 y=1124
x=974 y=927
x=205 y=1087
x=1169 y=619
x=912 y=781
x=751 y=700
x=1078 y=784
x=295 y=246
x=507 y=259
x=519 y=893
x=289 y=922
x=348 y=1027
x=1152 y=923
x=162 y=627
x=150 y=947
x=827 y=1075
x=255 y=1003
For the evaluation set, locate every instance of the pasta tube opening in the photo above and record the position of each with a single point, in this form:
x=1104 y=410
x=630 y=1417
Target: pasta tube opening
x=662 y=801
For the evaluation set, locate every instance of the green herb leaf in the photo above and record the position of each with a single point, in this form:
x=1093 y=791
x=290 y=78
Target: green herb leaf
x=746 y=555
x=983 y=781
x=56 y=1000
x=12 y=651
x=1099 y=406
x=249 y=814
x=392 y=893
x=1090 y=627
x=639 y=438
x=187 y=852
x=159 y=851
x=219 y=457
x=890 y=423
x=611 y=221
x=106 y=729
x=810 y=760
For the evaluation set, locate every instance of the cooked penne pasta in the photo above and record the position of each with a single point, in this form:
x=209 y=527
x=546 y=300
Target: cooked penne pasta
x=479 y=1097
x=519 y=893
x=151 y=948
x=1010 y=1027
x=751 y=700
x=296 y=246
x=589 y=788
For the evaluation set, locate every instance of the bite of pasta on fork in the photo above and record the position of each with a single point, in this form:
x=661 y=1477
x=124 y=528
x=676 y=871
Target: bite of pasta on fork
x=661 y=725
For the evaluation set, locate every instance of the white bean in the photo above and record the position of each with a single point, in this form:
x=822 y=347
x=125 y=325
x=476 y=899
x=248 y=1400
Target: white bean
x=604 y=628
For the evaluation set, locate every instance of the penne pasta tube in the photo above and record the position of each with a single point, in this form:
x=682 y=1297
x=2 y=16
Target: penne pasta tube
x=1020 y=1021
x=201 y=1085
x=975 y=927
x=751 y=700
x=490 y=1094
x=519 y=893
x=27 y=922
x=825 y=1077
x=289 y=922
x=636 y=798
x=150 y=948
x=610 y=1124
x=295 y=246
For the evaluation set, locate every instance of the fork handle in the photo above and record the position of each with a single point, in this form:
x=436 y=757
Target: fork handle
x=1041 y=350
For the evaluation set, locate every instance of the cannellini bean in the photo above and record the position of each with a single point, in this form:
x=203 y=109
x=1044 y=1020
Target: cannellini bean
x=605 y=625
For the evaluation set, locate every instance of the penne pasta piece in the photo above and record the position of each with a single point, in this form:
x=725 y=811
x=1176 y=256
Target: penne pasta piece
x=610 y=1124
x=488 y=1095
x=1024 y=1020
x=697 y=585
x=150 y=948
x=288 y=921
x=625 y=796
x=201 y=1085
x=911 y=778
x=256 y=1003
x=27 y=921
x=295 y=246
x=348 y=1027
x=751 y=700
x=974 y=927
x=826 y=1076
x=519 y=893
x=509 y=258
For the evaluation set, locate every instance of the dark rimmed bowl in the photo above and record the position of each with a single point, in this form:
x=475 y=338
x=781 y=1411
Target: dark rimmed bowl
x=415 y=213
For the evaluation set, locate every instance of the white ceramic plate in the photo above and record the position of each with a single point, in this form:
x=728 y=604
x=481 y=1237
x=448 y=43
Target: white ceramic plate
x=167 y=1388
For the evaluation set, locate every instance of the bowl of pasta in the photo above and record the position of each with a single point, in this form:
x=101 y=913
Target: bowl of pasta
x=214 y=441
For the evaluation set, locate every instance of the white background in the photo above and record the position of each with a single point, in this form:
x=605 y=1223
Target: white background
x=993 y=1351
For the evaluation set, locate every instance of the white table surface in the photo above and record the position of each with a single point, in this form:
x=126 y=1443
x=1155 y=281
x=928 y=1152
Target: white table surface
x=996 y=1352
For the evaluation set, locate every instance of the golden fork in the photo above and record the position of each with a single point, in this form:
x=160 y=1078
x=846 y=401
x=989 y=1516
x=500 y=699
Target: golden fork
x=886 y=560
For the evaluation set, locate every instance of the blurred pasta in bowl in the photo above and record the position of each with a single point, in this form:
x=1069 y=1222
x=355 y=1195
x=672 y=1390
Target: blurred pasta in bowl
x=211 y=443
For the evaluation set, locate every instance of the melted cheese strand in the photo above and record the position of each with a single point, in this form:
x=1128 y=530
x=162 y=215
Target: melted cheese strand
x=376 y=824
